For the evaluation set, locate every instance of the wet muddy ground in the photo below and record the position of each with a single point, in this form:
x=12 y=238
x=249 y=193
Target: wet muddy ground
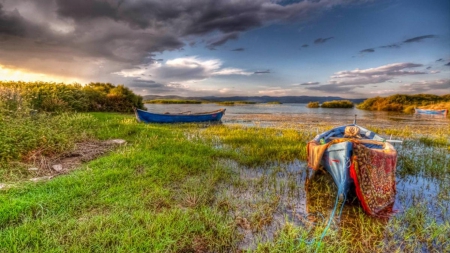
x=266 y=198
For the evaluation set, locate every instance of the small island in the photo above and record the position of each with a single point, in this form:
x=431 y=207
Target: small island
x=313 y=105
x=235 y=103
x=332 y=104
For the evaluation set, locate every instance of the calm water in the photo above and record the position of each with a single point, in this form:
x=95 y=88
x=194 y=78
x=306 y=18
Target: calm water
x=264 y=113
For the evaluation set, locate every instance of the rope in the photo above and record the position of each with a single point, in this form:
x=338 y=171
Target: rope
x=333 y=213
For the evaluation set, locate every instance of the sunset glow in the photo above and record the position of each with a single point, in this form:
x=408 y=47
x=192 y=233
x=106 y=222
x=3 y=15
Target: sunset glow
x=12 y=74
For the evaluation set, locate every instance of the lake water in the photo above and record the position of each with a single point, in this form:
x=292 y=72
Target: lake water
x=266 y=114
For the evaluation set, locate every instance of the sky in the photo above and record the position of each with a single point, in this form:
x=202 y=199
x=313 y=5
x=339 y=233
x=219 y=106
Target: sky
x=347 y=48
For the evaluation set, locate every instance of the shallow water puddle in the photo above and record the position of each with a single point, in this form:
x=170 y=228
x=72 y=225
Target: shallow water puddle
x=265 y=198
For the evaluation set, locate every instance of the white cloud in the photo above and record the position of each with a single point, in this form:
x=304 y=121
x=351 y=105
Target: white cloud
x=440 y=86
x=374 y=75
x=275 y=92
x=185 y=69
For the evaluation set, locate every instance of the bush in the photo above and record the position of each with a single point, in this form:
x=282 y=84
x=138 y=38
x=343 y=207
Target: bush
x=60 y=97
x=404 y=103
x=313 y=105
x=338 y=104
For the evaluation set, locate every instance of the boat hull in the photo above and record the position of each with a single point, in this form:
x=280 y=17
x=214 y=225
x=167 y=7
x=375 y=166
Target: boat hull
x=364 y=162
x=149 y=117
x=432 y=112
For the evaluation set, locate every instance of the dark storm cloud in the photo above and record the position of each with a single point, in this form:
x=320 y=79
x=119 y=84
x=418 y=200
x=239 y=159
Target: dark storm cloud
x=310 y=83
x=419 y=38
x=305 y=45
x=428 y=68
x=87 y=9
x=212 y=44
x=240 y=49
x=262 y=72
x=322 y=40
x=11 y=23
x=440 y=59
x=448 y=64
x=368 y=50
x=94 y=38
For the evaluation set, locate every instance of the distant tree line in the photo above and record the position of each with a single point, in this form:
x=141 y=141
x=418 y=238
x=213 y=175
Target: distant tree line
x=400 y=102
x=332 y=104
x=59 y=97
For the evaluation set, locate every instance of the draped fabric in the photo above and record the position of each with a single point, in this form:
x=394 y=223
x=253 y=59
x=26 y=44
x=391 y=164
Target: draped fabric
x=373 y=172
x=371 y=167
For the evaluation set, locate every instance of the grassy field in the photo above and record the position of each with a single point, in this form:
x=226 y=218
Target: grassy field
x=200 y=188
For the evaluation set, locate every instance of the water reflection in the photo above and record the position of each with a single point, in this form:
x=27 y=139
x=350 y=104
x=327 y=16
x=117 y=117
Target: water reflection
x=264 y=114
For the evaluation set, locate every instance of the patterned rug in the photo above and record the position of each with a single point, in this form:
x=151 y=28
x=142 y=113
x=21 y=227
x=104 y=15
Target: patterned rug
x=373 y=171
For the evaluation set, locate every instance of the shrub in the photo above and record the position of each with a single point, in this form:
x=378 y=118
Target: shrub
x=338 y=104
x=60 y=97
x=313 y=105
x=401 y=102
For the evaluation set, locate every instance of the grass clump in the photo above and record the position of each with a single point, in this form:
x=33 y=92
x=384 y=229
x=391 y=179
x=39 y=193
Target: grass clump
x=274 y=103
x=313 y=105
x=256 y=146
x=338 y=104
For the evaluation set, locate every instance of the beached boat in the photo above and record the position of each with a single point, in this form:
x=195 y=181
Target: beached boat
x=431 y=111
x=356 y=156
x=149 y=117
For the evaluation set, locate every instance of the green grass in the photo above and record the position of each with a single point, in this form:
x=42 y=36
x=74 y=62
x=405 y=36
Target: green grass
x=191 y=188
x=135 y=199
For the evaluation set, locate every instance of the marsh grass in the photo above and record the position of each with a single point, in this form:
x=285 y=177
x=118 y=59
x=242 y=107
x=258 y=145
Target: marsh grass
x=27 y=138
x=155 y=194
x=200 y=188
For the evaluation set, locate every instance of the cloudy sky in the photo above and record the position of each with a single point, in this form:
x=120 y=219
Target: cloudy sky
x=349 y=48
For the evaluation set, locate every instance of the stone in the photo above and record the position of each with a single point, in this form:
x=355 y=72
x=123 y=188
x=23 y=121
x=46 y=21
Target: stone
x=57 y=167
x=33 y=169
x=118 y=141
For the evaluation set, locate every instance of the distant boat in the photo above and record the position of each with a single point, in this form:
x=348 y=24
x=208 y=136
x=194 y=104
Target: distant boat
x=355 y=156
x=185 y=117
x=432 y=111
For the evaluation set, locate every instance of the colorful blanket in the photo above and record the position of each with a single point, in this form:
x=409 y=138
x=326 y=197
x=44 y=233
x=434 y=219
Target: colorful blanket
x=373 y=171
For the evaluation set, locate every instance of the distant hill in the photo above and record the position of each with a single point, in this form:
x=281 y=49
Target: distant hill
x=258 y=99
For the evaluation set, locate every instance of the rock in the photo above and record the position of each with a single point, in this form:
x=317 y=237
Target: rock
x=57 y=167
x=2 y=186
x=119 y=141
x=33 y=169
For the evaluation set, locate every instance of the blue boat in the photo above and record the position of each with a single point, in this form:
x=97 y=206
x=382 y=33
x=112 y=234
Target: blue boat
x=432 y=111
x=185 y=117
x=359 y=159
